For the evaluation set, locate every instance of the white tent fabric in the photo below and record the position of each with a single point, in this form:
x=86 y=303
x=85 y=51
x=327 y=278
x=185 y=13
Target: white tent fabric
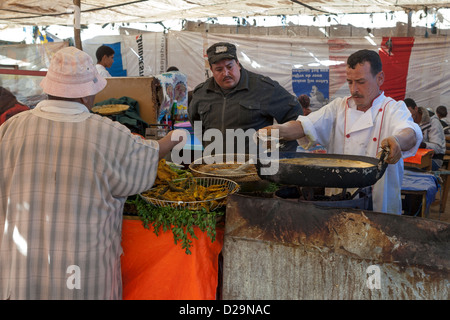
x=147 y=45
x=35 y=57
x=424 y=76
x=50 y=12
x=428 y=81
x=284 y=59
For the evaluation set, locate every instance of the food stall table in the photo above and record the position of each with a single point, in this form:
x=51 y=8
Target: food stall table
x=423 y=184
x=443 y=176
x=155 y=268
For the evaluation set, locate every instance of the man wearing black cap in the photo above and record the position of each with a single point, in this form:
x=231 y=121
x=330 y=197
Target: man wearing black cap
x=235 y=98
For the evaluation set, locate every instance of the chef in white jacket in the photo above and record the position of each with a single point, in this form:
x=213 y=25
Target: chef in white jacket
x=362 y=124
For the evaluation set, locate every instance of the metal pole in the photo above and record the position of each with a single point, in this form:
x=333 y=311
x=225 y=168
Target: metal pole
x=76 y=24
x=409 y=29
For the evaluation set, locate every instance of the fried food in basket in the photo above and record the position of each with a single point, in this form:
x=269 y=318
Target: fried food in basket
x=189 y=190
x=178 y=188
x=186 y=190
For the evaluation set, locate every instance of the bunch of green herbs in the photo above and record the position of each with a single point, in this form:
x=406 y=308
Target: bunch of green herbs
x=180 y=221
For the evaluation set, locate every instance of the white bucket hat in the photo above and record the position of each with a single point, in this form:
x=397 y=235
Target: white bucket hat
x=72 y=74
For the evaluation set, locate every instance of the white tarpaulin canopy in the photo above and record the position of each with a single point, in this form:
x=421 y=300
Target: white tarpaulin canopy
x=51 y=12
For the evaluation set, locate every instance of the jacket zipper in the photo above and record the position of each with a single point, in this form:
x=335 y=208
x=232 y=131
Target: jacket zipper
x=223 y=114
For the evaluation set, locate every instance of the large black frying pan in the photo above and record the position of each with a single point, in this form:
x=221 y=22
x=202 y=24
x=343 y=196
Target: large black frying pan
x=312 y=175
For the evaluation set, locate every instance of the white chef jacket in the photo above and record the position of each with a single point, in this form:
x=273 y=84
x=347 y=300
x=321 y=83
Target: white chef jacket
x=342 y=129
x=65 y=174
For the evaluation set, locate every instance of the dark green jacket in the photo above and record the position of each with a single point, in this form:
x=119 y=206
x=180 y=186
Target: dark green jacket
x=254 y=103
x=129 y=118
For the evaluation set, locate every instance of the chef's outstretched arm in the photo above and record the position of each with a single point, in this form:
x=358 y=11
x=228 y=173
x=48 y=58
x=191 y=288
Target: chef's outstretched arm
x=291 y=130
x=402 y=141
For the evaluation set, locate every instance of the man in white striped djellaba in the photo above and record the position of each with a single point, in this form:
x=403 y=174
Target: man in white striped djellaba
x=65 y=174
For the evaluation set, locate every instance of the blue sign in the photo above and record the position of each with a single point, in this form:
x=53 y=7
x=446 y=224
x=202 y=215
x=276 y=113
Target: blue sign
x=315 y=83
x=116 y=69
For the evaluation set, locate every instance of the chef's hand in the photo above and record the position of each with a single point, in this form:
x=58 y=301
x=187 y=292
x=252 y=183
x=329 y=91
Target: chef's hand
x=395 y=151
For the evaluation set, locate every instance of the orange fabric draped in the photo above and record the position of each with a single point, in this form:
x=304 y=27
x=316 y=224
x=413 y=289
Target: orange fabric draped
x=155 y=268
x=417 y=158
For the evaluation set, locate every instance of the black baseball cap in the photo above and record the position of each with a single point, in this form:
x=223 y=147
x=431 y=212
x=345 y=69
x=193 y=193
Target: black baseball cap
x=220 y=51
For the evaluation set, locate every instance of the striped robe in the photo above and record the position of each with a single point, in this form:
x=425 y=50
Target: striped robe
x=65 y=174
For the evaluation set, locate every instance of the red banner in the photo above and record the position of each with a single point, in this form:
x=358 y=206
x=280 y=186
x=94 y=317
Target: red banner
x=395 y=54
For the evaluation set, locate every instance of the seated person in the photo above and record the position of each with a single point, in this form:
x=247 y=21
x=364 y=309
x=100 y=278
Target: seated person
x=9 y=105
x=441 y=113
x=432 y=131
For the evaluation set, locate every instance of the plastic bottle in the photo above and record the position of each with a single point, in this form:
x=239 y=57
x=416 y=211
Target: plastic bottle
x=185 y=114
x=173 y=114
x=180 y=115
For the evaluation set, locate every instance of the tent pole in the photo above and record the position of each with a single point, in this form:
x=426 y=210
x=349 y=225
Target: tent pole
x=76 y=24
x=409 y=30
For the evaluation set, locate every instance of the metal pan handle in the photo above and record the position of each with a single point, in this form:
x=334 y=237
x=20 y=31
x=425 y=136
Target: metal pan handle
x=382 y=165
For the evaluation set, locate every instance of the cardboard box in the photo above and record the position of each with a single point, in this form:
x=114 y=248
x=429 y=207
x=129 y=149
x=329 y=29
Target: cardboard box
x=141 y=89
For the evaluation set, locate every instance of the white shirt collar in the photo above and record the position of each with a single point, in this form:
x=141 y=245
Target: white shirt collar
x=379 y=99
x=60 y=110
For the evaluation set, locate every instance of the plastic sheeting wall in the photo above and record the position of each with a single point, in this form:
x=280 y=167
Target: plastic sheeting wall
x=428 y=74
x=34 y=57
x=142 y=55
x=421 y=74
x=415 y=67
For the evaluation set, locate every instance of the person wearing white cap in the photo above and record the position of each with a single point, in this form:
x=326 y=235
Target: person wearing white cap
x=64 y=177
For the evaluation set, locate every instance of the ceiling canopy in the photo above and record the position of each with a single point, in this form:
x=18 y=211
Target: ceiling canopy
x=51 y=12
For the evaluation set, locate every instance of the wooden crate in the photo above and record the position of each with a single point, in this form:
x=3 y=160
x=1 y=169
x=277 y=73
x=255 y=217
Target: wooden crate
x=141 y=89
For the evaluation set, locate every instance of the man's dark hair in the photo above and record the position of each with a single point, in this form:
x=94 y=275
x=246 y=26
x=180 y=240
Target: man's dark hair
x=304 y=100
x=361 y=56
x=410 y=103
x=441 y=111
x=103 y=51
